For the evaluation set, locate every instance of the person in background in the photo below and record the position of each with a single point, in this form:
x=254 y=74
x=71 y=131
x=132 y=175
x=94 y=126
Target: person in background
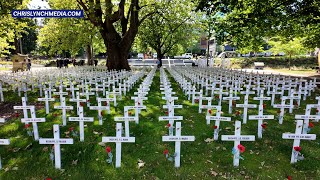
x=95 y=62
x=28 y=64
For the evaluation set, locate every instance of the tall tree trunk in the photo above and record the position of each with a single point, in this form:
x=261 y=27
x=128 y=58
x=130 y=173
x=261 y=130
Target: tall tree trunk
x=160 y=56
x=117 y=57
x=89 y=54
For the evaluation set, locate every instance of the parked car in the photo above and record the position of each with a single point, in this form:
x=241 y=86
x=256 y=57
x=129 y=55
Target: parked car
x=155 y=55
x=140 y=55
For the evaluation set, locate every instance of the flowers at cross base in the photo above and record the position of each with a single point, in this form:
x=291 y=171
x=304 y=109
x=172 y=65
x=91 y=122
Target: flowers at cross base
x=264 y=106
x=233 y=103
x=105 y=103
x=81 y=103
x=264 y=126
x=237 y=113
x=26 y=126
x=216 y=96
x=297 y=148
x=71 y=128
x=168 y=125
x=241 y=148
x=209 y=111
x=311 y=125
x=215 y=127
x=289 y=177
x=17 y=114
x=167 y=113
x=108 y=149
x=166 y=152
x=197 y=100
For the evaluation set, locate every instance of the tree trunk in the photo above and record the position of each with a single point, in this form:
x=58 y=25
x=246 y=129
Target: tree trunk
x=159 y=56
x=117 y=57
x=89 y=54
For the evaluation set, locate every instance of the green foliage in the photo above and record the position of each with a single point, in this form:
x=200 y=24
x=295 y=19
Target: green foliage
x=290 y=48
x=167 y=32
x=68 y=34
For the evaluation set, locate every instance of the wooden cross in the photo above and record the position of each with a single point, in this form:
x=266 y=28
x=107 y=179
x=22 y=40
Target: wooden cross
x=237 y=138
x=297 y=137
x=46 y=99
x=81 y=121
x=118 y=140
x=63 y=107
x=177 y=139
x=260 y=117
x=56 y=141
x=3 y=141
x=217 y=120
x=34 y=120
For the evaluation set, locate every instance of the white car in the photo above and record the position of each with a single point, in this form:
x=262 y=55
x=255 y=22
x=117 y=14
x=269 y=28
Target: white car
x=140 y=56
x=155 y=55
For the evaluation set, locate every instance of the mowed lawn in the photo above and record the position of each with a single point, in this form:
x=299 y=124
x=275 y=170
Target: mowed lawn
x=266 y=158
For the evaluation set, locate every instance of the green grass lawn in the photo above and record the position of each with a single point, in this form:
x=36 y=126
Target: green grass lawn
x=266 y=158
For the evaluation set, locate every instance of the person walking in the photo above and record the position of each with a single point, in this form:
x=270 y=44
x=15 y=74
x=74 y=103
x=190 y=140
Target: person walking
x=29 y=64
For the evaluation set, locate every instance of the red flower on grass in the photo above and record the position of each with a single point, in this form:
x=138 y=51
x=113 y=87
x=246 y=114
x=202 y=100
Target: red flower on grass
x=216 y=96
x=233 y=103
x=108 y=149
x=105 y=103
x=197 y=100
x=311 y=125
x=48 y=178
x=237 y=113
x=289 y=177
x=215 y=127
x=17 y=114
x=264 y=106
x=81 y=103
x=264 y=126
x=297 y=148
x=209 y=111
x=27 y=126
x=168 y=125
x=167 y=113
x=71 y=129
x=166 y=151
x=241 y=148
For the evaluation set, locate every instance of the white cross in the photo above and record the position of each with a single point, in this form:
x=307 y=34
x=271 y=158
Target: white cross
x=245 y=106
x=208 y=106
x=87 y=94
x=60 y=93
x=34 y=121
x=78 y=100
x=297 y=137
x=136 y=112
x=274 y=93
x=292 y=97
x=306 y=117
x=231 y=98
x=3 y=141
x=217 y=120
x=237 y=138
x=177 y=139
x=260 y=117
x=138 y=101
x=1 y=93
x=100 y=108
x=24 y=107
x=72 y=89
x=261 y=98
x=46 y=99
x=56 y=141
x=81 y=121
x=282 y=106
x=118 y=140
x=63 y=107
x=220 y=92
x=126 y=120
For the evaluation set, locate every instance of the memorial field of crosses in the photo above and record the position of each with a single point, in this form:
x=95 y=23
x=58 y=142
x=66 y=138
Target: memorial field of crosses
x=158 y=123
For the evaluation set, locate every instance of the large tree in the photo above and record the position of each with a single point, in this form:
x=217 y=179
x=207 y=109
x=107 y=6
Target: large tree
x=166 y=30
x=118 y=24
x=247 y=22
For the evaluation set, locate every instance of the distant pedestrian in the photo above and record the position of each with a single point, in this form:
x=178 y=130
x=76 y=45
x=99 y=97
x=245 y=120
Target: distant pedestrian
x=95 y=62
x=29 y=64
x=158 y=63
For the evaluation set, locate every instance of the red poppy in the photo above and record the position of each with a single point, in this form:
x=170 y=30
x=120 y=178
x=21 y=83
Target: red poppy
x=167 y=113
x=241 y=148
x=297 y=148
x=81 y=103
x=166 y=151
x=264 y=126
x=168 y=125
x=17 y=114
x=215 y=127
x=139 y=103
x=197 y=100
x=289 y=177
x=26 y=126
x=108 y=149
x=237 y=112
x=71 y=129
x=233 y=103
x=209 y=111
x=311 y=125
x=55 y=115
x=48 y=178
x=216 y=96
x=264 y=106
x=105 y=103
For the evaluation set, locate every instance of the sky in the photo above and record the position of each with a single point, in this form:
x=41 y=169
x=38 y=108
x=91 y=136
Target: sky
x=38 y=4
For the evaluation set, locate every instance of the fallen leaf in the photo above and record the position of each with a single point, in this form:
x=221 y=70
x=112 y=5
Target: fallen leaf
x=15 y=168
x=213 y=173
x=75 y=162
x=209 y=140
x=140 y=163
x=102 y=144
x=209 y=161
